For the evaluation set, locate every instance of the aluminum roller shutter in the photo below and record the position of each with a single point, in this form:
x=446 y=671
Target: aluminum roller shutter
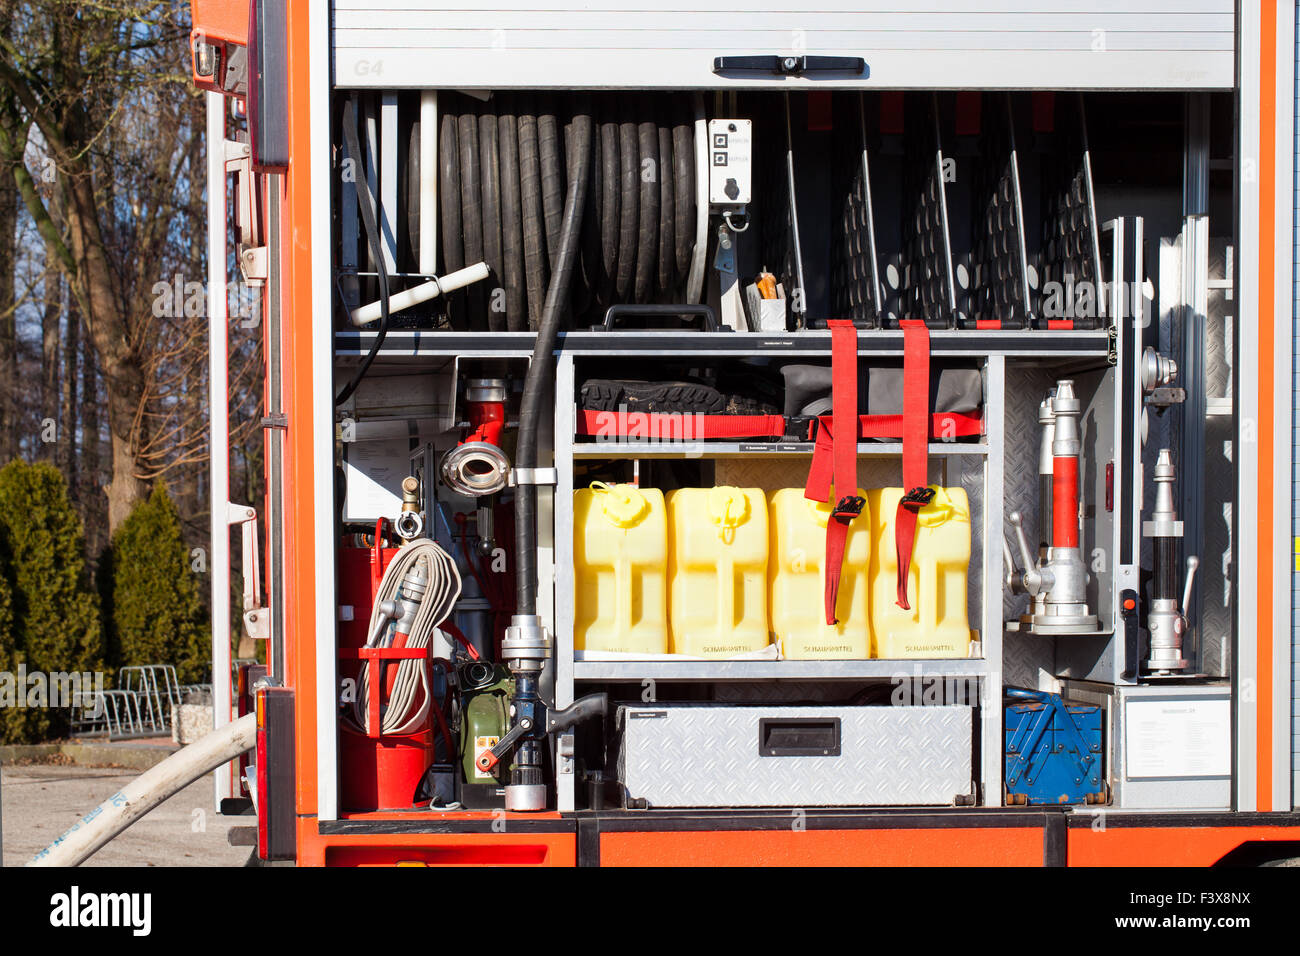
x=943 y=44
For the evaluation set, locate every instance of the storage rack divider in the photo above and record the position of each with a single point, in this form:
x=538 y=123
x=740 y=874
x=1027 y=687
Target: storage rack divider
x=993 y=348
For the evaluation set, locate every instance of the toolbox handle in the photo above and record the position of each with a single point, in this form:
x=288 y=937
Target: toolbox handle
x=799 y=737
x=1023 y=694
x=661 y=311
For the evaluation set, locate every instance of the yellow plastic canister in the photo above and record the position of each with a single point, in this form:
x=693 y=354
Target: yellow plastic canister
x=620 y=558
x=717 y=571
x=937 y=624
x=797 y=581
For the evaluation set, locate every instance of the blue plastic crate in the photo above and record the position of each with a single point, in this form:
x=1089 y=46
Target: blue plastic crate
x=1053 y=750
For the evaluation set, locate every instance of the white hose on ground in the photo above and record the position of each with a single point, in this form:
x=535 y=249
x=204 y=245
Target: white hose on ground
x=147 y=791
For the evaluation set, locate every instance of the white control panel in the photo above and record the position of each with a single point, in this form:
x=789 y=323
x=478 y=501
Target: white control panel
x=731 y=152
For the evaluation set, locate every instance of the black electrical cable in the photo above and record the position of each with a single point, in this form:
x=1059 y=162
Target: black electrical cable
x=369 y=215
x=541 y=369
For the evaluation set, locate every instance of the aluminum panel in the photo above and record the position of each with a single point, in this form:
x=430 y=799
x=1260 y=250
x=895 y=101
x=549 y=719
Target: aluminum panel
x=929 y=44
x=690 y=755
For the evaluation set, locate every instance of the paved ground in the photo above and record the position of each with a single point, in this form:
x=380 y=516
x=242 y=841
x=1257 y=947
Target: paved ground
x=40 y=801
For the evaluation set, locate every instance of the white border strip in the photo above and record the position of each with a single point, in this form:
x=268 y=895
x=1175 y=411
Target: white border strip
x=322 y=428
x=219 y=431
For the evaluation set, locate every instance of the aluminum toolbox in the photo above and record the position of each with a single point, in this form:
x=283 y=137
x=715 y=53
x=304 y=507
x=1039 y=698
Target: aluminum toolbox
x=709 y=755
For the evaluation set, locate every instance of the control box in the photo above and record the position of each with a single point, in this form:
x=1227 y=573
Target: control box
x=731 y=152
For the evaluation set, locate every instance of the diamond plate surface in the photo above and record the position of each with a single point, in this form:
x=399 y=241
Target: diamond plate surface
x=684 y=755
x=1218 y=332
x=1214 y=587
x=1213 y=578
x=1026 y=387
x=1024 y=656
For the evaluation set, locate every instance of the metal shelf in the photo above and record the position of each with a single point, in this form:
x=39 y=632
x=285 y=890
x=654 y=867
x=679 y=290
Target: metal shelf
x=407 y=344
x=699 y=449
x=710 y=671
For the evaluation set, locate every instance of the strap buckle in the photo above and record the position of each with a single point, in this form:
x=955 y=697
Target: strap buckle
x=848 y=508
x=917 y=498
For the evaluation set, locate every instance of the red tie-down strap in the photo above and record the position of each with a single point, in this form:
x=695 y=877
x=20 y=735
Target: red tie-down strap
x=916 y=421
x=844 y=456
x=944 y=426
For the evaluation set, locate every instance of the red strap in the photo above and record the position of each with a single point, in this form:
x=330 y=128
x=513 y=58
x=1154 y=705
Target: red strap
x=916 y=420
x=943 y=426
x=678 y=426
x=844 y=455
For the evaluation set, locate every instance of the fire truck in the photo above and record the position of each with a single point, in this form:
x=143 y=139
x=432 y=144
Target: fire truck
x=745 y=435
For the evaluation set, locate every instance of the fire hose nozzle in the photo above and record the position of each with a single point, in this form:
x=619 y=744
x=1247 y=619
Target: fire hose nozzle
x=1157 y=370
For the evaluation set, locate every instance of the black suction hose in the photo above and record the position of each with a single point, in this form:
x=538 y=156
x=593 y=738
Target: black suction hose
x=490 y=180
x=608 y=208
x=649 y=173
x=531 y=218
x=369 y=209
x=629 y=205
x=503 y=171
x=512 y=236
x=541 y=371
x=450 y=233
x=667 y=214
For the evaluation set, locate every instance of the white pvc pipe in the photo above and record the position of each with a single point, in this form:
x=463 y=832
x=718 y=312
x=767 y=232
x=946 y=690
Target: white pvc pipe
x=695 y=280
x=147 y=791
x=429 y=182
x=218 y=431
x=422 y=293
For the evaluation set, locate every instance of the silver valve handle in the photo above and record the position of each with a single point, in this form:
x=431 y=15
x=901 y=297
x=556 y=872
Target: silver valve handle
x=1192 y=564
x=1009 y=576
x=1021 y=541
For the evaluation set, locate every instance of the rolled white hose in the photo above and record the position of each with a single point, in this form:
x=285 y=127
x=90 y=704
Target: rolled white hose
x=422 y=293
x=147 y=791
x=408 y=705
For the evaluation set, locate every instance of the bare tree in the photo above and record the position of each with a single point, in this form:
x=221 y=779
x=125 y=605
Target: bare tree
x=93 y=79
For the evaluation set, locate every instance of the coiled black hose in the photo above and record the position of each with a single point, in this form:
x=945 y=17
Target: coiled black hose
x=504 y=169
x=576 y=202
x=369 y=207
x=541 y=369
